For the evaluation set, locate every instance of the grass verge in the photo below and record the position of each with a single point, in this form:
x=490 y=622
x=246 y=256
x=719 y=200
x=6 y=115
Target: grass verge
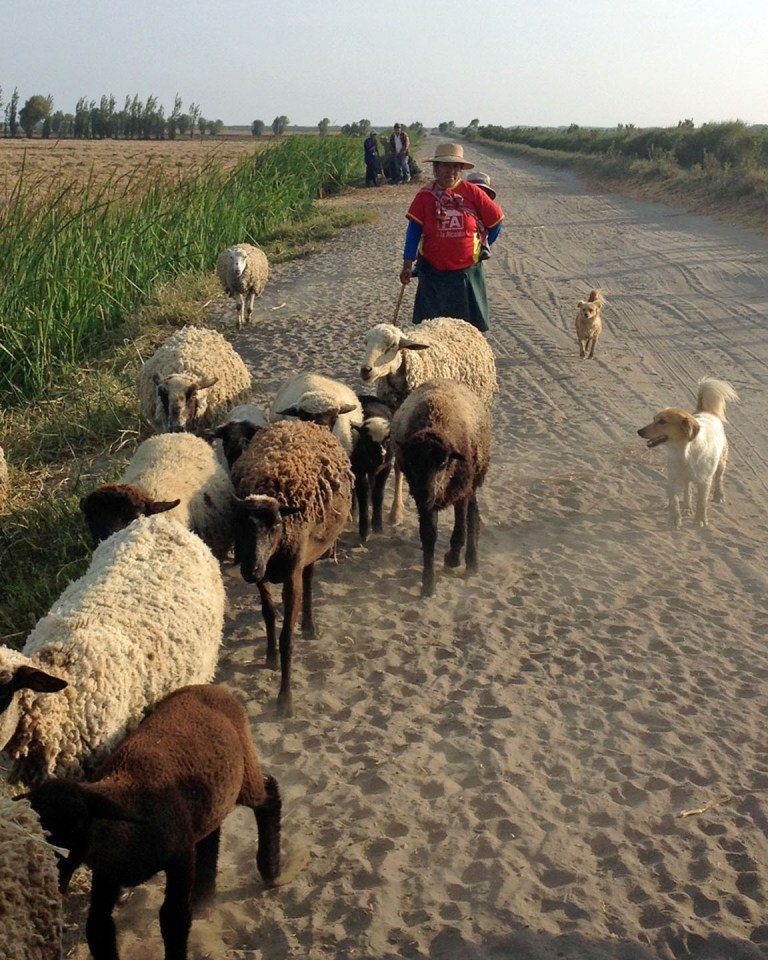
x=87 y=426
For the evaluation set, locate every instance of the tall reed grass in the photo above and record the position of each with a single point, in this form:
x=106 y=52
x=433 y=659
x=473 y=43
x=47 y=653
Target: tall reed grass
x=74 y=261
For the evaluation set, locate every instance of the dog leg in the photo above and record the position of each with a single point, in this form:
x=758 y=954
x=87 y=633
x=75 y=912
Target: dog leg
x=688 y=499
x=701 y=503
x=594 y=344
x=718 y=493
x=674 y=506
x=582 y=351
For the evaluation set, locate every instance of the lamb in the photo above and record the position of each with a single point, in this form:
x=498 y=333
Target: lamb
x=30 y=904
x=158 y=805
x=295 y=490
x=443 y=348
x=145 y=618
x=318 y=399
x=441 y=437
x=191 y=381
x=174 y=472
x=238 y=430
x=243 y=271
x=371 y=462
x=589 y=323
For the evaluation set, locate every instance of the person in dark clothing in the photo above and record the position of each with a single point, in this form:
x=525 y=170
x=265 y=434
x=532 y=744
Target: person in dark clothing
x=371 y=148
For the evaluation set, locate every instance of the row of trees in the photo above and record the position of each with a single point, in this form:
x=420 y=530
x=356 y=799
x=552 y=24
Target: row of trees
x=358 y=129
x=279 y=126
x=136 y=120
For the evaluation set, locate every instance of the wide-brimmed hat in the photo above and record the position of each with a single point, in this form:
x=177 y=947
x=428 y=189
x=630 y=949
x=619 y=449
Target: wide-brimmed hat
x=450 y=153
x=483 y=181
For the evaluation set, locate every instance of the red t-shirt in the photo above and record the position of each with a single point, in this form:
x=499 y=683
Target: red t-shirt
x=449 y=219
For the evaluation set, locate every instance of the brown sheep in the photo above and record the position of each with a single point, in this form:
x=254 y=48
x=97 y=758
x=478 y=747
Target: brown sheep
x=441 y=436
x=157 y=805
x=294 y=482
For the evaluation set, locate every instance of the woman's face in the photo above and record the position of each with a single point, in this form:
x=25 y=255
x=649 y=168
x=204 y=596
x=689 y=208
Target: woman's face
x=446 y=173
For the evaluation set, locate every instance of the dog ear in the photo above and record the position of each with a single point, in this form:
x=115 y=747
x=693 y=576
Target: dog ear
x=691 y=426
x=581 y=304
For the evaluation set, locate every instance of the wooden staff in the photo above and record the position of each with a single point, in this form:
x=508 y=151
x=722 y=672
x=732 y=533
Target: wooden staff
x=397 y=305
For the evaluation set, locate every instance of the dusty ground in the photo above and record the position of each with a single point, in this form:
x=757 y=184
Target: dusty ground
x=497 y=772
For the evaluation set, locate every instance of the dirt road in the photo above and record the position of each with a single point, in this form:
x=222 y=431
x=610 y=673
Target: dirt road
x=497 y=772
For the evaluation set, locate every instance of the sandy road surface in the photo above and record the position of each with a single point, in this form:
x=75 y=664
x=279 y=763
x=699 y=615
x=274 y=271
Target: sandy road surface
x=496 y=772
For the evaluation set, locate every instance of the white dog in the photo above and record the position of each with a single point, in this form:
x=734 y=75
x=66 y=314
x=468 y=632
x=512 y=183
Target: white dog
x=697 y=448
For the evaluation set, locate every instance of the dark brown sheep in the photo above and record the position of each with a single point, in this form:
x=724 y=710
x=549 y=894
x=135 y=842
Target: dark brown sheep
x=157 y=805
x=295 y=487
x=441 y=436
x=371 y=459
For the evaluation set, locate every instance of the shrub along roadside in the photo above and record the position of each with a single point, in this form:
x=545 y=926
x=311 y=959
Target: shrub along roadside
x=81 y=434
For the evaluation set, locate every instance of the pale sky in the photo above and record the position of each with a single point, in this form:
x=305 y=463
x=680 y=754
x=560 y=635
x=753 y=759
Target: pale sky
x=544 y=63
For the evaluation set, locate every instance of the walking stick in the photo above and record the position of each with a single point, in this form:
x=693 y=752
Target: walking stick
x=399 y=301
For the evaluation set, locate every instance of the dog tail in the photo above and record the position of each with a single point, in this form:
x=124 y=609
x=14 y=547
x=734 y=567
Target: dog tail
x=713 y=395
x=596 y=296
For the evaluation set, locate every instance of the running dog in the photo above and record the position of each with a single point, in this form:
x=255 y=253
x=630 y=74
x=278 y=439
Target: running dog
x=697 y=448
x=589 y=324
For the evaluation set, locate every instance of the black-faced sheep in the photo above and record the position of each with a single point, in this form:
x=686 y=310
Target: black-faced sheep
x=371 y=463
x=441 y=437
x=158 y=805
x=317 y=399
x=174 y=472
x=237 y=431
x=398 y=361
x=144 y=619
x=243 y=271
x=30 y=905
x=191 y=382
x=295 y=485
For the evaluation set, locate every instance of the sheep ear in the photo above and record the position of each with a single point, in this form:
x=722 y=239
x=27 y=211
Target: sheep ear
x=152 y=507
x=357 y=427
x=156 y=379
x=30 y=678
x=204 y=383
x=102 y=808
x=413 y=345
x=289 y=511
x=288 y=412
x=210 y=435
x=83 y=504
x=347 y=408
x=453 y=455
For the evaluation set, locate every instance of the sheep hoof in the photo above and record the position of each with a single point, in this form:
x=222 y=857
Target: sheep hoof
x=284 y=705
x=309 y=631
x=377 y=527
x=271 y=661
x=471 y=567
x=718 y=498
x=428 y=589
x=452 y=559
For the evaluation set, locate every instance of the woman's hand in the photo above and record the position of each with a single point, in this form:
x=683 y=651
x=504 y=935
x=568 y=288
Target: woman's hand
x=405 y=273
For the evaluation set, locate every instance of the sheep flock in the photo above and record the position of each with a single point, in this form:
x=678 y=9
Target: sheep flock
x=112 y=695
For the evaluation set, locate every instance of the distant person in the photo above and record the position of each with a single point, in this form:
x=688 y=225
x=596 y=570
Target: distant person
x=445 y=220
x=371 y=148
x=400 y=146
x=483 y=181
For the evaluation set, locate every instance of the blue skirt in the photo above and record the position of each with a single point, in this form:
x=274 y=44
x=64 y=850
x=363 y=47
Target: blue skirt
x=451 y=293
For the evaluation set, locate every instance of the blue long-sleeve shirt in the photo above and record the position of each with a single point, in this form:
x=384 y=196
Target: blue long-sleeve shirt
x=413 y=234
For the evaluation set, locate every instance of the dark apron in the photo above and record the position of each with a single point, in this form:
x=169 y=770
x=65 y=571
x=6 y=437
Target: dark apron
x=451 y=293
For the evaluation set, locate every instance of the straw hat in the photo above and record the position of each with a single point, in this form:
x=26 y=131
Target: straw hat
x=483 y=181
x=450 y=153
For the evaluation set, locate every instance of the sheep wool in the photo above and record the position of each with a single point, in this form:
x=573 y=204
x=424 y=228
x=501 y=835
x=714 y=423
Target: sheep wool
x=201 y=353
x=458 y=351
x=298 y=463
x=254 y=276
x=145 y=619
x=30 y=904
x=181 y=465
x=315 y=394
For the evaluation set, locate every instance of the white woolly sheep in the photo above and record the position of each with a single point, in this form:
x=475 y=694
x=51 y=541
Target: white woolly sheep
x=399 y=361
x=441 y=436
x=295 y=485
x=191 y=381
x=145 y=618
x=30 y=904
x=238 y=430
x=317 y=399
x=174 y=472
x=243 y=271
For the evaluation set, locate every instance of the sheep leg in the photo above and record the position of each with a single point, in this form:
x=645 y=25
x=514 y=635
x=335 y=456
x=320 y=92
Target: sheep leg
x=268 y=825
x=473 y=533
x=240 y=310
x=249 y=305
x=378 y=500
x=100 y=927
x=206 y=865
x=291 y=602
x=268 y=612
x=175 y=913
x=307 y=622
x=428 y=534
x=362 y=495
x=398 y=509
x=459 y=535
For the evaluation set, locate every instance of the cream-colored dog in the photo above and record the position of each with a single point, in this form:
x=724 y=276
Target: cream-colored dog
x=589 y=324
x=697 y=448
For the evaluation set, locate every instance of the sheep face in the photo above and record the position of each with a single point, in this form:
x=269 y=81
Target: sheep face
x=372 y=452
x=181 y=399
x=383 y=344
x=113 y=506
x=235 y=437
x=16 y=675
x=428 y=465
x=258 y=529
x=239 y=261
x=314 y=408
